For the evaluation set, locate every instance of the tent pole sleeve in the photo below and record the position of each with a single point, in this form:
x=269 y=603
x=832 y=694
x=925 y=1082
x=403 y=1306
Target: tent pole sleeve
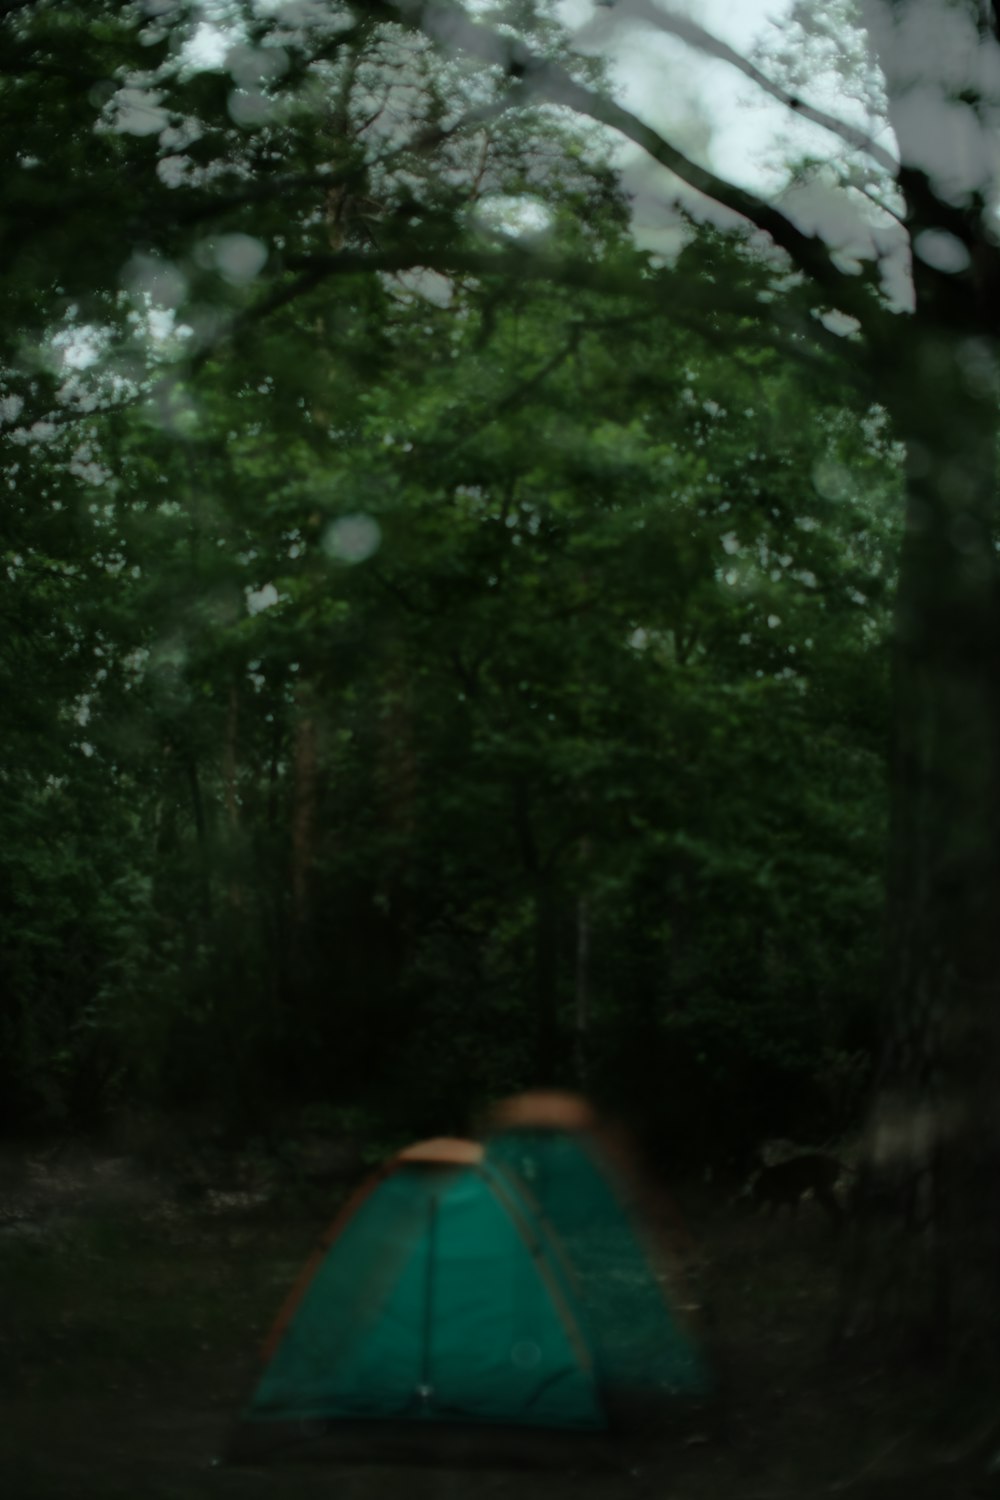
x=428 y=1329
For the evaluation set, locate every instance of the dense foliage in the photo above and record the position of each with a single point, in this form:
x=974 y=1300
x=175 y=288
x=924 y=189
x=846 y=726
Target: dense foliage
x=421 y=681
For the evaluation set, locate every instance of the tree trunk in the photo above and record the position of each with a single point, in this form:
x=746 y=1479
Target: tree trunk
x=230 y=778
x=933 y=1143
x=933 y=1149
x=274 y=771
x=543 y=886
x=397 y=775
x=583 y=977
x=546 y=981
x=229 y=757
x=582 y=1008
x=201 y=839
x=305 y=796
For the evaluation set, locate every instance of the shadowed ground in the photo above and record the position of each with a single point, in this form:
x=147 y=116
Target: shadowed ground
x=133 y=1314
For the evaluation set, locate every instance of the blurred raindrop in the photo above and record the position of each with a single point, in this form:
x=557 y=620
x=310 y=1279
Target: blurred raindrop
x=153 y=278
x=941 y=250
x=207 y=323
x=99 y=93
x=978 y=364
x=967 y=535
x=168 y=656
x=171 y=407
x=918 y=459
x=831 y=480
x=238 y=257
x=252 y=66
x=249 y=107
x=352 y=539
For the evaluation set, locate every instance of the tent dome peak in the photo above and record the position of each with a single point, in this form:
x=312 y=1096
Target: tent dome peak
x=443 y=1150
x=544 y=1109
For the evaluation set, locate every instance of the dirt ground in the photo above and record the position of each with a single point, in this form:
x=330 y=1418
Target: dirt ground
x=134 y=1306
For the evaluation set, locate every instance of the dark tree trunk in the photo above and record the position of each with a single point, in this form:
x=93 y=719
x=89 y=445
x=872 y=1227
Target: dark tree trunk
x=543 y=885
x=398 y=784
x=583 y=990
x=230 y=777
x=305 y=796
x=201 y=833
x=230 y=754
x=934 y=1133
x=929 y=1181
x=547 y=1042
x=583 y=977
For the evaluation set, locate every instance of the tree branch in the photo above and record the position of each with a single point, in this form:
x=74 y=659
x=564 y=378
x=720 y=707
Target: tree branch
x=525 y=265
x=681 y=298
x=209 y=207
x=696 y=36
x=398 y=592
x=545 y=81
x=470 y=428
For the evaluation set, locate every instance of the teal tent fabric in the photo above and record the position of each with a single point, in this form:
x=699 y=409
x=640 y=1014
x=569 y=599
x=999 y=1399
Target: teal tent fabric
x=439 y=1301
x=643 y=1344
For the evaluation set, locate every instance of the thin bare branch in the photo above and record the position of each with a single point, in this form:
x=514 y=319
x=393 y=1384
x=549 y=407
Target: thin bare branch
x=878 y=201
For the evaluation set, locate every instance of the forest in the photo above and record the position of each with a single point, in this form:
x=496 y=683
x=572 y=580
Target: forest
x=455 y=643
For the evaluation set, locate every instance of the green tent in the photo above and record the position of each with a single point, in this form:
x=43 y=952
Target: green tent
x=435 y=1301
x=630 y=1293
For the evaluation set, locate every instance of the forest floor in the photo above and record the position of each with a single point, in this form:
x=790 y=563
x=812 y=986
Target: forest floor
x=133 y=1309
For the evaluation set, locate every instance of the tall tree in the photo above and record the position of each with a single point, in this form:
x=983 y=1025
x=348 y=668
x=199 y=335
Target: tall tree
x=936 y=1126
x=282 y=184
x=930 y=72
